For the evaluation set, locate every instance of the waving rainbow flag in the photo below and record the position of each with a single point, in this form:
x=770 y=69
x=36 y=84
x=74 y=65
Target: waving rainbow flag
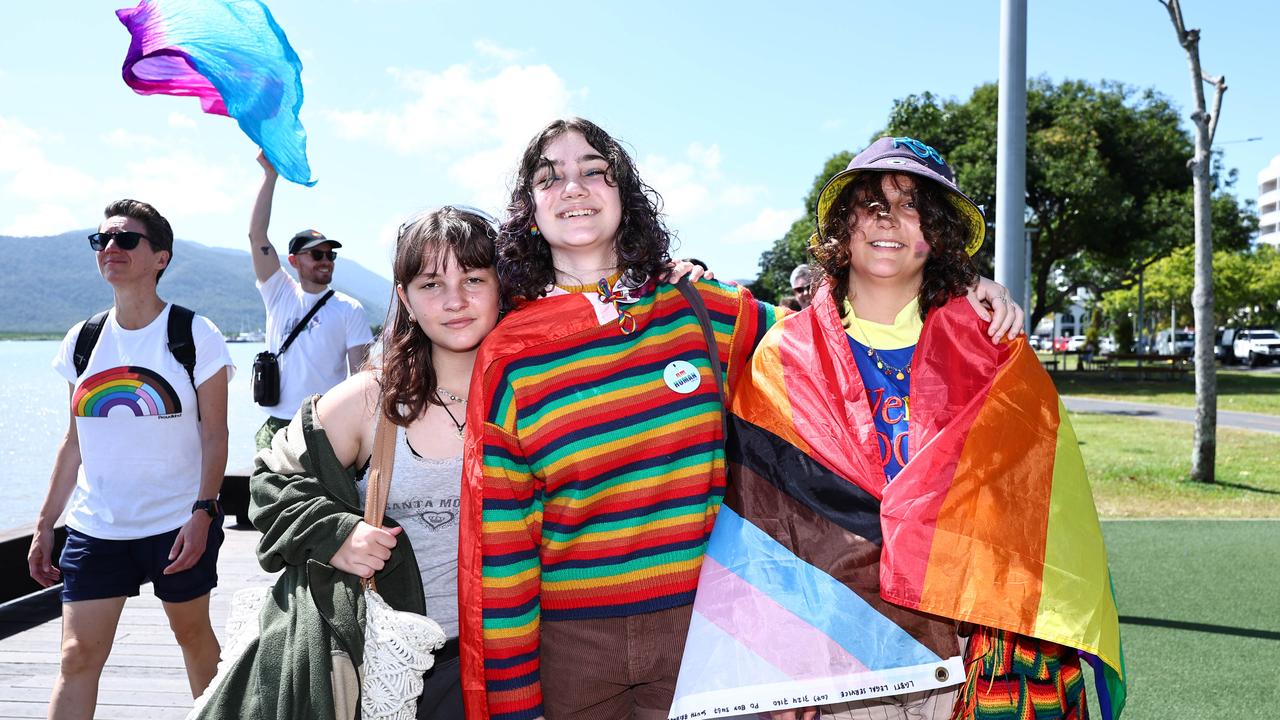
x=823 y=585
x=231 y=55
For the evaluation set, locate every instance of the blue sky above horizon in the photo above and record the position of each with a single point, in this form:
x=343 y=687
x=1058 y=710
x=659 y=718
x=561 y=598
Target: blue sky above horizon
x=729 y=112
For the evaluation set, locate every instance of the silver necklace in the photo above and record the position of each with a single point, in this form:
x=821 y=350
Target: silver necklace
x=450 y=395
x=460 y=426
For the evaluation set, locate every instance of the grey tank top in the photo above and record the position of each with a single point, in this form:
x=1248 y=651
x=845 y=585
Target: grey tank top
x=424 y=499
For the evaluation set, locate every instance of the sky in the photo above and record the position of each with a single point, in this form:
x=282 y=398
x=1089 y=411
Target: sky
x=729 y=109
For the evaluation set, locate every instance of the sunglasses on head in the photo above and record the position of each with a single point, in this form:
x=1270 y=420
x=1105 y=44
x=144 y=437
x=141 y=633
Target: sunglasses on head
x=319 y=255
x=124 y=239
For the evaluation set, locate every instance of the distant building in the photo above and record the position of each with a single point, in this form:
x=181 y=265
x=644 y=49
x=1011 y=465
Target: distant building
x=1269 y=203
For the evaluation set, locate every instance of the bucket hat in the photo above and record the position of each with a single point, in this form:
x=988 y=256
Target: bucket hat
x=912 y=157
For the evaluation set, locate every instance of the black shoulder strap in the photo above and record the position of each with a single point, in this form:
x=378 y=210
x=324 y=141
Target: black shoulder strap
x=87 y=339
x=181 y=343
x=694 y=299
x=183 y=346
x=303 y=322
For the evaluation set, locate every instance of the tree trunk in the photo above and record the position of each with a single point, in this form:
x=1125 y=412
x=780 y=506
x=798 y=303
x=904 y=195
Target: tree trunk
x=1204 y=443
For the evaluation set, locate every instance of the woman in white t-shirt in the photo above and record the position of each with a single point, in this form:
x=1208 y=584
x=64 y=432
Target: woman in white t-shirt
x=139 y=469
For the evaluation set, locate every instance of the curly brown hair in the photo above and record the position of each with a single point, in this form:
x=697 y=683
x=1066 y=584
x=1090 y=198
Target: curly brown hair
x=948 y=271
x=426 y=243
x=642 y=242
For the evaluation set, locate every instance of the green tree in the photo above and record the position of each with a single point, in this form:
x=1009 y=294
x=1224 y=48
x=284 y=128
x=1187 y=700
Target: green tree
x=1108 y=190
x=1246 y=287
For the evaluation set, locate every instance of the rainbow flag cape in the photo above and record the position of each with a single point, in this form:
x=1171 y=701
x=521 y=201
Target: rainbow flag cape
x=231 y=55
x=822 y=584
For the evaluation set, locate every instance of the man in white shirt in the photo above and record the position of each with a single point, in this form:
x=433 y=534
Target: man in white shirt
x=139 y=469
x=335 y=340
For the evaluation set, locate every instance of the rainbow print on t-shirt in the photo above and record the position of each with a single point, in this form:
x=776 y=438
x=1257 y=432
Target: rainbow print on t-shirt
x=144 y=392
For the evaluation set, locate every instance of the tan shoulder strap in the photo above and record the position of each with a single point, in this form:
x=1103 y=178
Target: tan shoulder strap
x=383 y=462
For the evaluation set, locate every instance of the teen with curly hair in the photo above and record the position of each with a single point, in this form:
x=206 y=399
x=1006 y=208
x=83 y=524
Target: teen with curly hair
x=886 y=368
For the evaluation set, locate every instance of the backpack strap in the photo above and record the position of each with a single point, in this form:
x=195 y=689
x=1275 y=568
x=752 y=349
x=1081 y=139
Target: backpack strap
x=87 y=339
x=183 y=346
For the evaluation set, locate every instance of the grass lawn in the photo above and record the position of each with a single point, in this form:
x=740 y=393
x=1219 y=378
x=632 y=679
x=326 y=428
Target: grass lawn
x=1237 y=389
x=1199 y=616
x=1137 y=469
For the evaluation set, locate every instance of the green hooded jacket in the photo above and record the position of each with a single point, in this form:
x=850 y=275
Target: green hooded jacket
x=306 y=504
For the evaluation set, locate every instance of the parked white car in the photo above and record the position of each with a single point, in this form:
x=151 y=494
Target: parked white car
x=1256 y=346
x=1107 y=345
x=1181 y=342
x=1076 y=343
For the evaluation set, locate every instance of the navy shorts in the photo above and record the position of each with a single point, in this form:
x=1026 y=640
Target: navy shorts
x=93 y=569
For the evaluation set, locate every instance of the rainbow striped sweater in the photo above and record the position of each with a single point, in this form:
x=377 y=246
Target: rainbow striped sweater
x=595 y=475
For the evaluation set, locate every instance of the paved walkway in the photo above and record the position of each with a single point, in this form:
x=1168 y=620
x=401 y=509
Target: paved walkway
x=144 y=677
x=1226 y=418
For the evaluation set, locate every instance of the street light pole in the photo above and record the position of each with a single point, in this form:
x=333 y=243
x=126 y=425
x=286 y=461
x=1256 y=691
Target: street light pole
x=1011 y=150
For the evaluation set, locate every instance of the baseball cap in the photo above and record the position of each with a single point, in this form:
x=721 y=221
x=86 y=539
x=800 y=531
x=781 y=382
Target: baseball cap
x=912 y=157
x=308 y=239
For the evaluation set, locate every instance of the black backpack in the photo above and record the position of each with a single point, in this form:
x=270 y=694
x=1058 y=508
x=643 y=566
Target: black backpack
x=181 y=343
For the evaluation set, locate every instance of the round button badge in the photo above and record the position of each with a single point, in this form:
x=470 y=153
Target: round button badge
x=682 y=377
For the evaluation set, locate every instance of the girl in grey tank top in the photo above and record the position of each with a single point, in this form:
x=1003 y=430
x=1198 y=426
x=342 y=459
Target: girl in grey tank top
x=423 y=499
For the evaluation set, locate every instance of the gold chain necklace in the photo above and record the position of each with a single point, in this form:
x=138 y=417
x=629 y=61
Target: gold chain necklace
x=891 y=371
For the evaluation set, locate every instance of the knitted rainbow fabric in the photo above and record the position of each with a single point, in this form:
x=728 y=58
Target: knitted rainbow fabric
x=597 y=478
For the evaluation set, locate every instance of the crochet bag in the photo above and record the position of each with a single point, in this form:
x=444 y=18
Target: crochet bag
x=397 y=644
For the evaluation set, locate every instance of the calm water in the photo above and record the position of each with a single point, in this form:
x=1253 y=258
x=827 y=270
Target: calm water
x=34 y=419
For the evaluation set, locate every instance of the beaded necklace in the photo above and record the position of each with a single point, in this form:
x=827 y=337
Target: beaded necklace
x=889 y=370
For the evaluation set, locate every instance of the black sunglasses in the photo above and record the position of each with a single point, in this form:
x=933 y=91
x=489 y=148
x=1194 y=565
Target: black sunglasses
x=319 y=255
x=801 y=289
x=124 y=239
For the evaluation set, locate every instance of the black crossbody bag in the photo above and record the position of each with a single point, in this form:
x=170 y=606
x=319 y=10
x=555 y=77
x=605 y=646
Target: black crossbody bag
x=266 y=364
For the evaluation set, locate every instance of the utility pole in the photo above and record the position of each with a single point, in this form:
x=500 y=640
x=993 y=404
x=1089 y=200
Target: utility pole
x=1011 y=151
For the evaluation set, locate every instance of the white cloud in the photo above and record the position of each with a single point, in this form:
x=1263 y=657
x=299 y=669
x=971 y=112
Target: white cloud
x=694 y=187
x=474 y=124
x=44 y=219
x=494 y=50
x=31 y=174
x=182 y=184
x=178 y=120
x=122 y=138
x=769 y=225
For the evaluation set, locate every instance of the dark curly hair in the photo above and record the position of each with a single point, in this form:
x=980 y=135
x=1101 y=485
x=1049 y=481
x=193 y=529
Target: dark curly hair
x=642 y=242
x=426 y=243
x=948 y=271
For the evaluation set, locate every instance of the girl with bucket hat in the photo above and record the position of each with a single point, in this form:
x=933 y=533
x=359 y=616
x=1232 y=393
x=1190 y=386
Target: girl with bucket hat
x=594 y=463
x=902 y=493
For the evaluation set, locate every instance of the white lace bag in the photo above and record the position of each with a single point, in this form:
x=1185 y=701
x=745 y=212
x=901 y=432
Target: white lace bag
x=397 y=644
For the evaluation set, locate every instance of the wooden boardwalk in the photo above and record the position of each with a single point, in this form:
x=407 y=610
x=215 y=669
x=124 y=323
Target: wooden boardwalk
x=144 y=677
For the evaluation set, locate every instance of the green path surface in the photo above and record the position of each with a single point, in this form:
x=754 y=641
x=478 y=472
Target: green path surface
x=1171 y=578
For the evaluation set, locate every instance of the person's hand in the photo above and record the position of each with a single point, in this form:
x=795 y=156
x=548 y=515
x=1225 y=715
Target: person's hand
x=267 y=168
x=677 y=269
x=40 y=558
x=366 y=550
x=991 y=301
x=809 y=713
x=189 y=545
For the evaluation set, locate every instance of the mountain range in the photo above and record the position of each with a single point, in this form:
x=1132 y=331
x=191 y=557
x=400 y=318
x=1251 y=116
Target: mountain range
x=53 y=283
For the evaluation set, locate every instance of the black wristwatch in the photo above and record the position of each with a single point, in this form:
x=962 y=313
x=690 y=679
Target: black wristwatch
x=210 y=506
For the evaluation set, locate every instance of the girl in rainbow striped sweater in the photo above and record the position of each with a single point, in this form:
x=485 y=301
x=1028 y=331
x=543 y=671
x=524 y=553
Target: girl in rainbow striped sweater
x=594 y=461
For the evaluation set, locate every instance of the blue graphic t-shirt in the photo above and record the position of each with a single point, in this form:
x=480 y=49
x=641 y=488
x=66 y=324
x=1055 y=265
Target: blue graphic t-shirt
x=888 y=395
